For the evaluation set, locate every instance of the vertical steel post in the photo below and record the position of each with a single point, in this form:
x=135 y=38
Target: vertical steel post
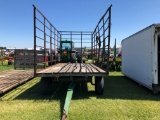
x=91 y=45
x=58 y=42
x=71 y=35
x=44 y=43
x=51 y=55
x=104 y=42
x=109 y=32
x=71 y=46
x=34 y=19
x=60 y=47
x=55 y=45
x=94 y=45
x=81 y=46
x=99 y=48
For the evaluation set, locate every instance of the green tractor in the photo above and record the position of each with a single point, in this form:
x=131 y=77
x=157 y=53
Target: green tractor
x=66 y=51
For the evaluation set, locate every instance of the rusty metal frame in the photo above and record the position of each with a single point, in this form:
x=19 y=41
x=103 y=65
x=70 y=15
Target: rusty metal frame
x=77 y=37
x=101 y=32
x=54 y=38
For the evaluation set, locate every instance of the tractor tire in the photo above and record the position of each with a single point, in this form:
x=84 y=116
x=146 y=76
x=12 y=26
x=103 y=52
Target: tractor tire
x=10 y=62
x=99 y=85
x=46 y=85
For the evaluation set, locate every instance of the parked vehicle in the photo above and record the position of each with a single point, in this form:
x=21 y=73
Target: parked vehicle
x=141 y=57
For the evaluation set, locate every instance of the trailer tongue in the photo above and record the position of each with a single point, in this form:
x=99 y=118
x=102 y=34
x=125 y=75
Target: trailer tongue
x=67 y=101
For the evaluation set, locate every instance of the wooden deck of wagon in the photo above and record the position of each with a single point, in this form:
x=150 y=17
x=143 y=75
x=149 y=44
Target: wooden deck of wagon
x=12 y=78
x=73 y=69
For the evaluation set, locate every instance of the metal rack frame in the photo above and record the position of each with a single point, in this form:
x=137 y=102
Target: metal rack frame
x=50 y=37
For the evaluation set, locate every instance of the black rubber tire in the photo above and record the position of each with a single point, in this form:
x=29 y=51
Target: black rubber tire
x=99 y=85
x=46 y=85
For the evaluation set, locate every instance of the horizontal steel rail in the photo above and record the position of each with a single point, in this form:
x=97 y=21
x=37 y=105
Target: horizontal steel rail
x=101 y=38
x=47 y=38
x=50 y=37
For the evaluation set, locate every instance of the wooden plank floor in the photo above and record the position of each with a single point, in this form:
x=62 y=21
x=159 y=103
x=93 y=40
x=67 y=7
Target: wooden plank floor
x=69 y=68
x=13 y=78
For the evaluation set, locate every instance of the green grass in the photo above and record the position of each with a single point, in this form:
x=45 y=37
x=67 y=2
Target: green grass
x=123 y=99
x=5 y=66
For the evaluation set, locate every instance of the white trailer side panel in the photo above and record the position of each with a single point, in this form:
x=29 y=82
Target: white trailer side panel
x=137 y=52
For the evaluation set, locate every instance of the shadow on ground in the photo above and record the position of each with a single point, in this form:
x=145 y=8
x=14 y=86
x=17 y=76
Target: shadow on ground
x=116 y=87
x=121 y=87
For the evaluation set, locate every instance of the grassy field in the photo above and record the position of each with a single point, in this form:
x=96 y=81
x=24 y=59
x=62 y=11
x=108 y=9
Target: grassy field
x=123 y=99
x=5 y=66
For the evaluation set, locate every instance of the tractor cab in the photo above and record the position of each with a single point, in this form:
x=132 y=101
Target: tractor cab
x=66 y=50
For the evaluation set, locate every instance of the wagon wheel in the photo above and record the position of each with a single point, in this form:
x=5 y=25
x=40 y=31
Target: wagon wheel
x=99 y=85
x=46 y=85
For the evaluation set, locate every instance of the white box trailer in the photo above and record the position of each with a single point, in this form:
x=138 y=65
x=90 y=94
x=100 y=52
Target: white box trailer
x=141 y=57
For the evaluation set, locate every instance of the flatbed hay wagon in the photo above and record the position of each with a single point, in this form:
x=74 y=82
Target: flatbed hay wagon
x=48 y=40
x=68 y=56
